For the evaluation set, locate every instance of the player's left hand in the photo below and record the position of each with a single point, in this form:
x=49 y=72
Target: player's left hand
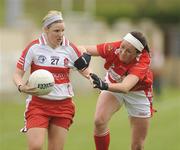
x=98 y=83
x=83 y=61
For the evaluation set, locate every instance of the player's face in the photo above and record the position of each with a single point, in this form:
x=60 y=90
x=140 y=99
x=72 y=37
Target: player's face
x=55 y=34
x=127 y=52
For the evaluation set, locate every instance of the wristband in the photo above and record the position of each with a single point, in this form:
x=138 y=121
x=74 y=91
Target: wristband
x=19 y=87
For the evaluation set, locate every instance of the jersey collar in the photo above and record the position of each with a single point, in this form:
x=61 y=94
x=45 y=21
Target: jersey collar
x=42 y=40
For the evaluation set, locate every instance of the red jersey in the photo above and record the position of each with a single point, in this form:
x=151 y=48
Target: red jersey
x=117 y=70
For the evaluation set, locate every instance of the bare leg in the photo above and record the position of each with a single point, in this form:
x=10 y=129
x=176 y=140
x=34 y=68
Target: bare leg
x=56 y=137
x=36 y=138
x=107 y=105
x=139 y=128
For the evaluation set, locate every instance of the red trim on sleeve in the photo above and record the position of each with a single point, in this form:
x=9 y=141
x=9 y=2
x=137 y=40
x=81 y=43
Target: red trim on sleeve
x=21 y=61
x=75 y=49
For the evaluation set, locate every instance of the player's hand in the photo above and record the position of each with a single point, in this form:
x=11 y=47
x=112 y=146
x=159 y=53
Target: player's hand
x=98 y=83
x=28 y=90
x=83 y=61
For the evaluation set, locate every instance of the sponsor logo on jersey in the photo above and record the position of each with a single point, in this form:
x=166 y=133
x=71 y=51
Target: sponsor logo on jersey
x=113 y=75
x=42 y=59
x=55 y=57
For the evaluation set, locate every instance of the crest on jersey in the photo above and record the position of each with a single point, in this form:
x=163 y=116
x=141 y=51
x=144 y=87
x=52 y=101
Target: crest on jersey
x=66 y=62
x=110 y=47
x=42 y=59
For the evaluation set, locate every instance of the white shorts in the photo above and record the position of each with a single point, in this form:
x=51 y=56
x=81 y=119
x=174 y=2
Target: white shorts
x=137 y=103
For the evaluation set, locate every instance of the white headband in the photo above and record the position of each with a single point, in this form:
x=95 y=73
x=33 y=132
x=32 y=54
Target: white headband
x=135 y=42
x=51 y=20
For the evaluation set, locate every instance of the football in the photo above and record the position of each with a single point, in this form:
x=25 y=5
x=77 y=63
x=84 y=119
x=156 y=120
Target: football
x=43 y=80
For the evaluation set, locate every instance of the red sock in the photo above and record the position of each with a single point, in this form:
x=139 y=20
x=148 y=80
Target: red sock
x=102 y=141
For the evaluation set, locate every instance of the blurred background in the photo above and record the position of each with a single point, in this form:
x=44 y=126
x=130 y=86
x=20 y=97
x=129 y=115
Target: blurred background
x=92 y=22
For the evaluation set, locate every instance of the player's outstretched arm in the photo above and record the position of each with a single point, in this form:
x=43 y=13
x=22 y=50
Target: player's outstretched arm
x=125 y=86
x=90 y=49
x=83 y=61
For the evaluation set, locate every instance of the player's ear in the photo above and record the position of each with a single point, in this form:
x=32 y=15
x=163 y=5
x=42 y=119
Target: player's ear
x=45 y=29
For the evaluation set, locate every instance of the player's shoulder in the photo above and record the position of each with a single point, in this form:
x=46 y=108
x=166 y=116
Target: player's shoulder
x=109 y=47
x=143 y=59
x=144 y=56
x=68 y=44
x=73 y=48
x=112 y=45
x=31 y=46
x=33 y=43
x=72 y=45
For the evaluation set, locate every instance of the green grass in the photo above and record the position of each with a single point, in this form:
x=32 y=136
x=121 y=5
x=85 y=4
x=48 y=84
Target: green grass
x=164 y=133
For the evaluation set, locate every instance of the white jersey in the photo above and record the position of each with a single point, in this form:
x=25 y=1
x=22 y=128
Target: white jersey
x=59 y=61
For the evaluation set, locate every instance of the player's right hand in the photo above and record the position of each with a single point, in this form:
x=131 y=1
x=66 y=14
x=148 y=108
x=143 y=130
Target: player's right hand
x=98 y=83
x=29 y=90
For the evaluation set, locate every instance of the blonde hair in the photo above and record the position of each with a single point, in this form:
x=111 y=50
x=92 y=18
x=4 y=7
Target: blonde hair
x=52 y=17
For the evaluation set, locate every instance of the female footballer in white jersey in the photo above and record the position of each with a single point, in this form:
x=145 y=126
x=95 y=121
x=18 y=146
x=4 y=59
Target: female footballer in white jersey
x=52 y=113
x=128 y=81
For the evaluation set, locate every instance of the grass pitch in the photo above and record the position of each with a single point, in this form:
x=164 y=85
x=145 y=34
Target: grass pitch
x=164 y=133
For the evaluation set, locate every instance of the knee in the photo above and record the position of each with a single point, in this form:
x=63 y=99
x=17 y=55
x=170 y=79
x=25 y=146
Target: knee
x=137 y=146
x=35 y=146
x=100 y=121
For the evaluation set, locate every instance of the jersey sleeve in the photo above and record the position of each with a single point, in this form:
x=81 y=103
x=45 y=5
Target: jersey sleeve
x=103 y=49
x=107 y=49
x=26 y=58
x=141 y=67
x=75 y=53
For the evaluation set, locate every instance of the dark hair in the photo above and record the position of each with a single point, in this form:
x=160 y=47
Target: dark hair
x=142 y=39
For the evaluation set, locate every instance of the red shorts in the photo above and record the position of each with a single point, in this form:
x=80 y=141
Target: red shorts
x=41 y=113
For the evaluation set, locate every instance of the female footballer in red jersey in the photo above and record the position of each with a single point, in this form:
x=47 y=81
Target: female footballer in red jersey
x=128 y=81
x=52 y=113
